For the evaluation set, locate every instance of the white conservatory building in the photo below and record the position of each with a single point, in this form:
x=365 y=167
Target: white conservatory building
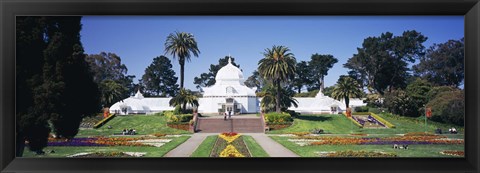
x=229 y=93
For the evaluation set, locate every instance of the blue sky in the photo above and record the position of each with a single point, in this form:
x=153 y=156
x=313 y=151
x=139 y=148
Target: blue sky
x=139 y=39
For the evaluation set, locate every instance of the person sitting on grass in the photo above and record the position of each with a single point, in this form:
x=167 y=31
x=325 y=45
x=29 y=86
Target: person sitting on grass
x=454 y=130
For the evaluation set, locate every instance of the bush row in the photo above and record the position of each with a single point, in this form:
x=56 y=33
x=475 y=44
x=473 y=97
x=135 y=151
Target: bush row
x=278 y=118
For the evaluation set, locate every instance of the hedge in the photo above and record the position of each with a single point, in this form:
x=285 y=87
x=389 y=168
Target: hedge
x=276 y=118
x=104 y=121
x=179 y=118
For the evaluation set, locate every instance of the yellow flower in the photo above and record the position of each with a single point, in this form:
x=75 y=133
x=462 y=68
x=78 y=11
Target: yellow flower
x=231 y=151
x=229 y=139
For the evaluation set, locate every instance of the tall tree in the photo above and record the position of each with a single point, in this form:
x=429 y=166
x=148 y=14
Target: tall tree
x=346 y=88
x=278 y=65
x=181 y=45
x=269 y=93
x=109 y=66
x=208 y=79
x=255 y=80
x=30 y=44
x=183 y=98
x=382 y=62
x=443 y=63
x=302 y=76
x=319 y=66
x=111 y=92
x=159 y=78
x=63 y=92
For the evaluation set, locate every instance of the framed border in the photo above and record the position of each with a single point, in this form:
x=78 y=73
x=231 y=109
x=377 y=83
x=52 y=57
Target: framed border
x=10 y=8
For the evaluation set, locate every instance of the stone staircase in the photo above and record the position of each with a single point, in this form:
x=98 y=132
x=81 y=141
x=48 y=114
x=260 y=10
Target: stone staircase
x=239 y=125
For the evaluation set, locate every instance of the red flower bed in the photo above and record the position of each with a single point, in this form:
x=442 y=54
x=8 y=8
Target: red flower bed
x=185 y=127
x=229 y=134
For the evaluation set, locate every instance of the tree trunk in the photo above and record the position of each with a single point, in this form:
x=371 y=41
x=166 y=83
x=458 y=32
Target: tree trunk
x=182 y=70
x=184 y=109
x=299 y=89
x=277 y=98
x=322 y=84
x=347 y=101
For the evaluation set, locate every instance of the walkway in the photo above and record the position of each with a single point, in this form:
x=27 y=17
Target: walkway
x=188 y=147
x=272 y=148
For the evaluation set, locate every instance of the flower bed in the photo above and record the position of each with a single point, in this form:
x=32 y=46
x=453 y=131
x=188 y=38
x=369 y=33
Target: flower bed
x=453 y=153
x=108 y=154
x=181 y=126
x=375 y=118
x=300 y=133
x=278 y=126
x=102 y=141
x=360 y=154
x=230 y=151
x=400 y=140
x=230 y=145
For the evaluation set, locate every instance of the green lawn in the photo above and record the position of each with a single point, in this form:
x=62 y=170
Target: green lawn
x=413 y=151
x=205 y=147
x=143 y=124
x=339 y=124
x=150 y=151
x=255 y=149
x=330 y=123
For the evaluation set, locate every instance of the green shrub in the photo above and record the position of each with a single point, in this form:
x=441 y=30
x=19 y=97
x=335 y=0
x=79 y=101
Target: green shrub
x=278 y=118
x=166 y=113
x=177 y=110
x=448 y=107
x=361 y=109
x=179 y=118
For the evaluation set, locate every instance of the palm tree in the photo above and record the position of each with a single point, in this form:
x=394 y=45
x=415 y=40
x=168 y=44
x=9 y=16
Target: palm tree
x=183 y=98
x=268 y=95
x=346 y=88
x=111 y=92
x=277 y=66
x=181 y=44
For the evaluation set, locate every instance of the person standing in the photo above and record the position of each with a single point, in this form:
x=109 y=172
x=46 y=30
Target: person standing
x=229 y=114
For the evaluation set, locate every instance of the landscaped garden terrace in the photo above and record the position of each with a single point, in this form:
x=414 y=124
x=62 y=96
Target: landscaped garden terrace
x=338 y=136
x=153 y=139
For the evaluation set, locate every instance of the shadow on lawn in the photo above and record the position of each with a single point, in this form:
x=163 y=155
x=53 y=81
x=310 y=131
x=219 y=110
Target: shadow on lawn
x=314 y=118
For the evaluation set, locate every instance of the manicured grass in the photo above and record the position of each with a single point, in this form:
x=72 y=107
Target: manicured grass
x=205 y=148
x=150 y=151
x=413 y=150
x=255 y=149
x=143 y=124
x=339 y=124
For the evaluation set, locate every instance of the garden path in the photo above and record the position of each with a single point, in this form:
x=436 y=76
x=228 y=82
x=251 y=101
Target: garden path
x=188 y=147
x=272 y=148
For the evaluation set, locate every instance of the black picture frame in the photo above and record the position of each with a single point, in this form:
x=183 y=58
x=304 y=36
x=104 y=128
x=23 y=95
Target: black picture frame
x=9 y=9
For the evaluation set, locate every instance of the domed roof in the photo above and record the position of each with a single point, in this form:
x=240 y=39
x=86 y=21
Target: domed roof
x=229 y=73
